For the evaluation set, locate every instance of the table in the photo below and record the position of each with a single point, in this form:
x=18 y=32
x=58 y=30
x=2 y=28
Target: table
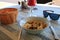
x=47 y=34
x=8 y=32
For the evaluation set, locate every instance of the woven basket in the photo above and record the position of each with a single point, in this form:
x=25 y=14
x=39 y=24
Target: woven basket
x=8 y=15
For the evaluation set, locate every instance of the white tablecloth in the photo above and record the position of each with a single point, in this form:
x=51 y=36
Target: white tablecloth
x=47 y=34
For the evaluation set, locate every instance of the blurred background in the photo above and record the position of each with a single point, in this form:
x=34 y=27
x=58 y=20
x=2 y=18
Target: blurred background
x=15 y=1
x=55 y=2
x=10 y=1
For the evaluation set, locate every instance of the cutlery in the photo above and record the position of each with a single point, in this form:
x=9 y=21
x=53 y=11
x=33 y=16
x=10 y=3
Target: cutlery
x=53 y=33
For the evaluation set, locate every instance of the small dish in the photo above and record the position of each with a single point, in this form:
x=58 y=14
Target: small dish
x=34 y=31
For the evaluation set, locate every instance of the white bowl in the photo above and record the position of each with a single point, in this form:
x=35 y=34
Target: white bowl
x=32 y=31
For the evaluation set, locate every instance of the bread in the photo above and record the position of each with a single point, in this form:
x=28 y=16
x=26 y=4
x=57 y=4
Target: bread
x=8 y=15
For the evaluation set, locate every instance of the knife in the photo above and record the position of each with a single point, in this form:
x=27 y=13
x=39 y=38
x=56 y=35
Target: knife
x=54 y=33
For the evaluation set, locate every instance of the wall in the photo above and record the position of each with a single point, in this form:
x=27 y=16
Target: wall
x=10 y=1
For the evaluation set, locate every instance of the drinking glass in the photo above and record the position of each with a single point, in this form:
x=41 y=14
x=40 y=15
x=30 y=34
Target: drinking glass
x=31 y=4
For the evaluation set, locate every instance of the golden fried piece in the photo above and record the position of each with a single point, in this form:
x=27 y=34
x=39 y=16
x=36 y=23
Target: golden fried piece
x=27 y=25
x=35 y=24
